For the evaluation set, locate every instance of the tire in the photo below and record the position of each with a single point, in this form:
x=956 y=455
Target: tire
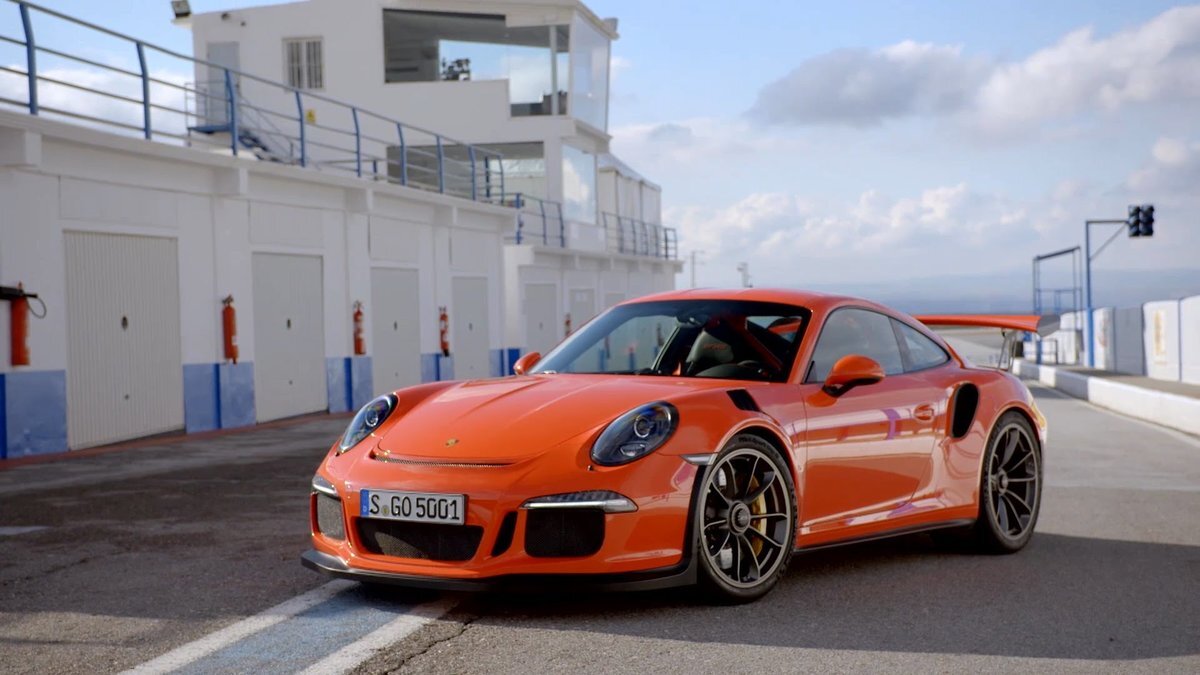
x=1010 y=491
x=745 y=521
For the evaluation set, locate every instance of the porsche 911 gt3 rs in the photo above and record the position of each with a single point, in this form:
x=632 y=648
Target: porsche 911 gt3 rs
x=686 y=437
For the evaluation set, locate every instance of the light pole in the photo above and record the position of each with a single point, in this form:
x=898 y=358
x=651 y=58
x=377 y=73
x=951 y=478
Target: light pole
x=1140 y=223
x=744 y=268
x=694 y=254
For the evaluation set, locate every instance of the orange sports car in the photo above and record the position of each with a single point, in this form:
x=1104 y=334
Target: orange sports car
x=686 y=437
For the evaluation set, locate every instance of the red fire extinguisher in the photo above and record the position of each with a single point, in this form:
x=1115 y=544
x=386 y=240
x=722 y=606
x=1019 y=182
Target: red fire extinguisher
x=19 y=321
x=567 y=325
x=360 y=344
x=444 y=331
x=229 y=329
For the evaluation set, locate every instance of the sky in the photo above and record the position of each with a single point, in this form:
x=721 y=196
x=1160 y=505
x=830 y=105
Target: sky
x=873 y=142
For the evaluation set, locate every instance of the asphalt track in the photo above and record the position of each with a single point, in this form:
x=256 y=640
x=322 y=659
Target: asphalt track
x=183 y=556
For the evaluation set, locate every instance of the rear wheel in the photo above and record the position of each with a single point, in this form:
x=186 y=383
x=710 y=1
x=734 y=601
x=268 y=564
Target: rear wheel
x=1010 y=490
x=747 y=521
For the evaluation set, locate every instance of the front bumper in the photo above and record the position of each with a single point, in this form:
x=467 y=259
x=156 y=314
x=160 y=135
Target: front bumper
x=683 y=574
x=645 y=540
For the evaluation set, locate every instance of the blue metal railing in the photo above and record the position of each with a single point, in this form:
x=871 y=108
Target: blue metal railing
x=284 y=124
x=638 y=237
x=539 y=221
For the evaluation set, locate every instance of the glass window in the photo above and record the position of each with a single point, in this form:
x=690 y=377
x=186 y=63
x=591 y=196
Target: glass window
x=922 y=352
x=589 y=73
x=422 y=46
x=686 y=338
x=304 y=63
x=579 y=185
x=856 y=331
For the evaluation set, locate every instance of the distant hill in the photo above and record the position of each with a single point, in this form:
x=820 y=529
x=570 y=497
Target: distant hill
x=1013 y=292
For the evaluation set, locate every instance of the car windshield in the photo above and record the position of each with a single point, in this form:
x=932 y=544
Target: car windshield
x=686 y=338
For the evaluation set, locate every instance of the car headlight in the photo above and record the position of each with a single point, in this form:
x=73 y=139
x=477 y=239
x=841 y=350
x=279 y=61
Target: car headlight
x=367 y=421
x=635 y=434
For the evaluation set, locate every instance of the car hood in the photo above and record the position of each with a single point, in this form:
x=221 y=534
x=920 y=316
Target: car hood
x=512 y=419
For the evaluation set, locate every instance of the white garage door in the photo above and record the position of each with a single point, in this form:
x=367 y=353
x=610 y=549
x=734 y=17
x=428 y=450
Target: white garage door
x=289 y=336
x=469 y=329
x=611 y=299
x=541 y=317
x=395 y=329
x=124 y=367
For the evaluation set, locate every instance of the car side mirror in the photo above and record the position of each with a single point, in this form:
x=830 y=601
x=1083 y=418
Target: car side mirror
x=850 y=371
x=526 y=362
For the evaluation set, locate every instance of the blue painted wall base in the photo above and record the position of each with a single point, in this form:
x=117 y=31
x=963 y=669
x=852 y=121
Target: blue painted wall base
x=435 y=367
x=217 y=396
x=348 y=382
x=33 y=413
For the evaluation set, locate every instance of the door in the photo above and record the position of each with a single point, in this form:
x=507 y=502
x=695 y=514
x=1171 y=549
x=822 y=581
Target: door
x=289 y=336
x=214 y=101
x=124 y=362
x=469 y=329
x=541 y=317
x=395 y=329
x=582 y=307
x=870 y=448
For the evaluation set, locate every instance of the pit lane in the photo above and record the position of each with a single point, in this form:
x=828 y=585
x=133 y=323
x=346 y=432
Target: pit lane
x=190 y=548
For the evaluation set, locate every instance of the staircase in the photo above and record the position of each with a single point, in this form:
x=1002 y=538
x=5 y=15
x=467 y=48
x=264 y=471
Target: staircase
x=256 y=133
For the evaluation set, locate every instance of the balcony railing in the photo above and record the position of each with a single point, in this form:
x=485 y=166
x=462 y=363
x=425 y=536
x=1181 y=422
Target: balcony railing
x=233 y=111
x=638 y=237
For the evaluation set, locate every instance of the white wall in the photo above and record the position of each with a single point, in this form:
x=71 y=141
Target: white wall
x=221 y=210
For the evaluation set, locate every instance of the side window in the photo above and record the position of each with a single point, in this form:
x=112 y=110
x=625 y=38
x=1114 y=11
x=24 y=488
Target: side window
x=922 y=352
x=855 y=331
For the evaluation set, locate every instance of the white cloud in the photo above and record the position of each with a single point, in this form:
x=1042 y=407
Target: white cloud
x=1154 y=62
x=860 y=88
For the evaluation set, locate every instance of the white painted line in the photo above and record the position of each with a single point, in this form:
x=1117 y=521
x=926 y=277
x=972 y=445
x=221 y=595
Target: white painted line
x=193 y=651
x=355 y=653
x=16 y=529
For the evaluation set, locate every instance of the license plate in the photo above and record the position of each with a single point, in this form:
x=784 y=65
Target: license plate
x=419 y=507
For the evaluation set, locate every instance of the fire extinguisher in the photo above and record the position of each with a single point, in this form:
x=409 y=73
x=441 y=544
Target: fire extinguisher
x=360 y=344
x=444 y=331
x=567 y=325
x=229 y=329
x=19 y=320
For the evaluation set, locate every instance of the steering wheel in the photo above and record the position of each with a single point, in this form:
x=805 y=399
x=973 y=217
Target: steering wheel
x=762 y=369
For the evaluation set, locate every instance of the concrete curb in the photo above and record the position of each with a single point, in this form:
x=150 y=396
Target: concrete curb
x=1177 y=412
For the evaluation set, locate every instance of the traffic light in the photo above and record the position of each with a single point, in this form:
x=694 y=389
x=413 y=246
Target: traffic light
x=1134 y=221
x=1146 y=220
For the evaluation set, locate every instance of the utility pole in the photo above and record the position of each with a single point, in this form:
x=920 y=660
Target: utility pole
x=694 y=255
x=744 y=268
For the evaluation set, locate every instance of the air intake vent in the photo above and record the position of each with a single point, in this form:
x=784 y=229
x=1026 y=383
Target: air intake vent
x=504 y=537
x=329 y=517
x=743 y=400
x=562 y=533
x=426 y=541
x=963 y=406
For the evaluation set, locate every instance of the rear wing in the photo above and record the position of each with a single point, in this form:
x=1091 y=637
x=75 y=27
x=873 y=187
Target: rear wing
x=1010 y=325
x=1032 y=323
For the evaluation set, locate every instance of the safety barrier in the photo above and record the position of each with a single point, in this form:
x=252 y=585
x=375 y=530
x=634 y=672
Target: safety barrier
x=637 y=237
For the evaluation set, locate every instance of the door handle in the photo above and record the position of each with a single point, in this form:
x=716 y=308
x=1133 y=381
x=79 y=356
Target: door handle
x=924 y=412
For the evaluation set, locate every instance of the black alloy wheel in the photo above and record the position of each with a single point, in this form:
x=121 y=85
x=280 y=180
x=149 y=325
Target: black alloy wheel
x=747 y=517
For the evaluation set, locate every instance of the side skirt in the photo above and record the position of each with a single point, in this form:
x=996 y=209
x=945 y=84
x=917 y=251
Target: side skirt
x=912 y=529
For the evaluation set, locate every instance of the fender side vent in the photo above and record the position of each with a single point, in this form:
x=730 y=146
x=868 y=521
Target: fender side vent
x=963 y=407
x=743 y=400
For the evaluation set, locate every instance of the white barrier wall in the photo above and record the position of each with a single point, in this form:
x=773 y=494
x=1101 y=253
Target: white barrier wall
x=1162 y=339
x=1189 y=335
x=1129 y=356
x=222 y=214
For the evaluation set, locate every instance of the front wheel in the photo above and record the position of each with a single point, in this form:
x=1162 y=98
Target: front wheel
x=747 y=521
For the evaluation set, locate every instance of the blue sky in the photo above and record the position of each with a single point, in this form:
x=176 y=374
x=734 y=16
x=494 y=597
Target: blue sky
x=866 y=141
